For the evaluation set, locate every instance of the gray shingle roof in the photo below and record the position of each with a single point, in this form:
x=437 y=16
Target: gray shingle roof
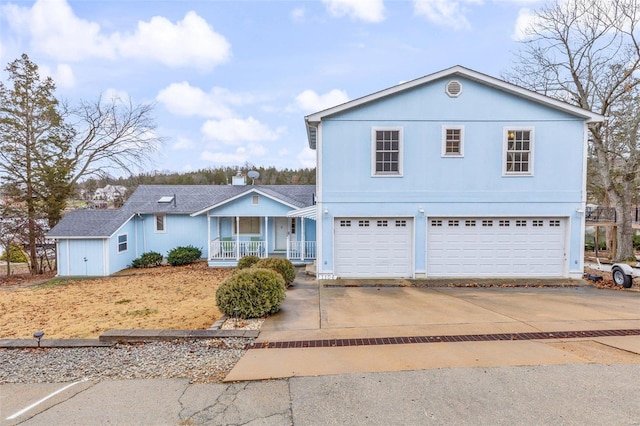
x=188 y=199
x=89 y=223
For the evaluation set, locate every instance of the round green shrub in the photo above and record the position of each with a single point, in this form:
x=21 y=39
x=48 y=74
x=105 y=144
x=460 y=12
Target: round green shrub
x=183 y=255
x=247 y=261
x=251 y=293
x=16 y=254
x=147 y=260
x=282 y=266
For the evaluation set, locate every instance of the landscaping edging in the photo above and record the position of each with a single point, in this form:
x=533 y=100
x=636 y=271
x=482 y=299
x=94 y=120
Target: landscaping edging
x=111 y=337
x=134 y=335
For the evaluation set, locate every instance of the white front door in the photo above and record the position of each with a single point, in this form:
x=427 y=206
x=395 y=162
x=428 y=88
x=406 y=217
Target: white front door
x=282 y=229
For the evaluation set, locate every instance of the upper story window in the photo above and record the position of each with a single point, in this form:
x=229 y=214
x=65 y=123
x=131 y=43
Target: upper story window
x=386 y=150
x=452 y=141
x=518 y=151
x=122 y=243
x=160 y=223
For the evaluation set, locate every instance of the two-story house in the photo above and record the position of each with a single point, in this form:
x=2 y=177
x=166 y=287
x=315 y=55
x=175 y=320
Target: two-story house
x=455 y=174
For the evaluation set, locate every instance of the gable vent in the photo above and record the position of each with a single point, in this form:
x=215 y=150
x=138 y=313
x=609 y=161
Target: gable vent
x=453 y=88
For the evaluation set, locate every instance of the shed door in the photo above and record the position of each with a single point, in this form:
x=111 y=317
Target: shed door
x=373 y=247
x=496 y=247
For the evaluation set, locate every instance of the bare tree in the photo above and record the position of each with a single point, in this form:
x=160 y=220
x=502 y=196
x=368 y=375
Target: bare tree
x=587 y=53
x=113 y=134
x=46 y=147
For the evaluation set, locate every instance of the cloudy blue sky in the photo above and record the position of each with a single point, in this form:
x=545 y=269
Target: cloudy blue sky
x=232 y=80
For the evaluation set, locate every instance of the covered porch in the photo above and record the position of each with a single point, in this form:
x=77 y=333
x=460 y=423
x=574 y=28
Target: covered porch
x=232 y=237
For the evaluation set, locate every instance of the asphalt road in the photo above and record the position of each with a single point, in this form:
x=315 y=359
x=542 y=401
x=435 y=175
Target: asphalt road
x=576 y=394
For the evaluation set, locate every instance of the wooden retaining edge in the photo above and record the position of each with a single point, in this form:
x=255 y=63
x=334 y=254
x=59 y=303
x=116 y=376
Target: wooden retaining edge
x=135 y=335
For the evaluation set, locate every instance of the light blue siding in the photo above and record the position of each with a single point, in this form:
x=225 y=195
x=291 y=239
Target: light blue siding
x=243 y=207
x=180 y=230
x=473 y=185
x=81 y=257
x=119 y=260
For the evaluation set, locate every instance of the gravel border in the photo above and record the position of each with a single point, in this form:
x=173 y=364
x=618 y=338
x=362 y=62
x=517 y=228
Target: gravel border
x=201 y=361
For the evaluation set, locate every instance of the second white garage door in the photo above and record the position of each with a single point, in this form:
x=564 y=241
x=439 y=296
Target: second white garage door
x=496 y=247
x=373 y=247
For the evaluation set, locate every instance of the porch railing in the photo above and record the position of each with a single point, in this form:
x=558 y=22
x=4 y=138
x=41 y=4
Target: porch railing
x=298 y=250
x=232 y=250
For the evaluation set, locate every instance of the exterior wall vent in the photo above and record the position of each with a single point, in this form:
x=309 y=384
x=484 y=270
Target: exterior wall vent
x=453 y=88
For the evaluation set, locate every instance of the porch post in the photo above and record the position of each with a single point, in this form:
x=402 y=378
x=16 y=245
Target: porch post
x=266 y=236
x=288 y=242
x=302 y=240
x=237 y=237
x=208 y=236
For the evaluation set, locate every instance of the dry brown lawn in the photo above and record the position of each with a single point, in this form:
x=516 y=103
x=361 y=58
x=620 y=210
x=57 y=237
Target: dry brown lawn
x=155 y=298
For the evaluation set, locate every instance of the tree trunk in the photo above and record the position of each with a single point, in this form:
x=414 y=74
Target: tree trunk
x=625 y=231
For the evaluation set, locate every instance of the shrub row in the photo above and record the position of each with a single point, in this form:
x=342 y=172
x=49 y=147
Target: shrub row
x=176 y=257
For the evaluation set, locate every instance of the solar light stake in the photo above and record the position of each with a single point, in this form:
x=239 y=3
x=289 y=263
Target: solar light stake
x=38 y=335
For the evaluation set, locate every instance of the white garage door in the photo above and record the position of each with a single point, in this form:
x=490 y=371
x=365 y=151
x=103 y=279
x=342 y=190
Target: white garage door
x=373 y=247
x=496 y=247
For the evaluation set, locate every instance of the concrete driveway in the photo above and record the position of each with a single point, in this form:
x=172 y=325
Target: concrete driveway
x=359 y=317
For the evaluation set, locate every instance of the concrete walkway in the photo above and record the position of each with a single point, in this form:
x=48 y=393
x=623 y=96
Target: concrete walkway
x=361 y=315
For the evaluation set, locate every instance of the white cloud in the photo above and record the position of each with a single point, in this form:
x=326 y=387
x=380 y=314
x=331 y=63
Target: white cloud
x=310 y=101
x=447 y=13
x=191 y=41
x=307 y=157
x=62 y=76
x=233 y=131
x=240 y=155
x=182 y=143
x=184 y=99
x=524 y=22
x=298 y=14
x=55 y=30
x=365 y=10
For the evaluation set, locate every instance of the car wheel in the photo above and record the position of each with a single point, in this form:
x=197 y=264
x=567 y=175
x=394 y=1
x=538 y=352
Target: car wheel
x=620 y=278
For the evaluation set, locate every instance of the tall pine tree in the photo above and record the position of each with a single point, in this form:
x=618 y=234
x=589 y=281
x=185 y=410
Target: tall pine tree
x=35 y=144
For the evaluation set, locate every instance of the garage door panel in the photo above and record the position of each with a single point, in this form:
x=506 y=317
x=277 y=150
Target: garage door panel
x=496 y=247
x=381 y=249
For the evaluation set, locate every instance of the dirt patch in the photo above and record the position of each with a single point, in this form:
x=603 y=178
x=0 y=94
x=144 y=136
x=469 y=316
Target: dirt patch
x=156 y=298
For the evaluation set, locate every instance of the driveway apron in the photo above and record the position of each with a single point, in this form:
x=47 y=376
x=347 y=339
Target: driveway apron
x=327 y=329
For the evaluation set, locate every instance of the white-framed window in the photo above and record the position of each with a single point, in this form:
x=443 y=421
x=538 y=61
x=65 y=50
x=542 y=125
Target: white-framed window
x=248 y=226
x=160 y=223
x=292 y=226
x=452 y=141
x=386 y=151
x=122 y=243
x=518 y=151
